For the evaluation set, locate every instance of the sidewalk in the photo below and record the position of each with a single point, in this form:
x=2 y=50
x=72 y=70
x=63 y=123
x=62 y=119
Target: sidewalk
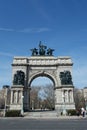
x=58 y=117
x=46 y=117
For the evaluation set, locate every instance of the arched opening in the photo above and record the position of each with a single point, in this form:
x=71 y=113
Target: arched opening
x=42 y=97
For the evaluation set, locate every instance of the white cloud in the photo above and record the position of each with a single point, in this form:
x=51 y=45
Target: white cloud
x=34 y=30
x=7 y=29
x=27 y=30
x=6 y=54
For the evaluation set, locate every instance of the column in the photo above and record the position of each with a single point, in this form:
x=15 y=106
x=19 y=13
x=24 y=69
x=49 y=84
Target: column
x=64 y=102
x=63 y=95
x=70 y=96
x=67 y=96
x=16 y=96
x=11 y=96
x=21 y=96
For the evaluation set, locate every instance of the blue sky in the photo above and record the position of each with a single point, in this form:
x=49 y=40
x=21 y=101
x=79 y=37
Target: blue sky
x=59 y=24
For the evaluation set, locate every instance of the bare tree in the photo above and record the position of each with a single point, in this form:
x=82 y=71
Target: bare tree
x=2 y=99
x=48 y=96
x=79 y=98
x=34 y=99
x=42 y=97
x=5 y=96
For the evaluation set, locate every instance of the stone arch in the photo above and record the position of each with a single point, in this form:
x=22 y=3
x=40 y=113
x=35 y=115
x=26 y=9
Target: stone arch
x=45 y=74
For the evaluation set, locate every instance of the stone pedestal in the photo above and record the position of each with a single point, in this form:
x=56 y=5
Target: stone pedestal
x=17 y=93
x=64 y=98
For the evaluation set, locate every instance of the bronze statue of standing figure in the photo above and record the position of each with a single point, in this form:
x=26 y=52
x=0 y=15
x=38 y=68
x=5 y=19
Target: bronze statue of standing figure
x=42 y=49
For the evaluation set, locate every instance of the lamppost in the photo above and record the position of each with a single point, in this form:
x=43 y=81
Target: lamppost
x=22 y=110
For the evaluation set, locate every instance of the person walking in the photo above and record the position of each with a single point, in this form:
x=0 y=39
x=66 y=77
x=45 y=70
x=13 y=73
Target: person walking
x=83 y=112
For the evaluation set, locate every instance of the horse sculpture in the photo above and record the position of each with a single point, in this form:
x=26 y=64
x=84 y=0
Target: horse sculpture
x=50 y=51
x=34 y=52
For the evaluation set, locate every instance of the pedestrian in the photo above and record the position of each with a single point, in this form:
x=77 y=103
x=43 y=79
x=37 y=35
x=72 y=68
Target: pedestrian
x=83 y=112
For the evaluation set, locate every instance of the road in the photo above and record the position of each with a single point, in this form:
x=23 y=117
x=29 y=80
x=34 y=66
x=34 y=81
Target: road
x=43 y=124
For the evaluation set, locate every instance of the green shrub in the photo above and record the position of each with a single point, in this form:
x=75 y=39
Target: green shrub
x=13 y=113
x=71 y=112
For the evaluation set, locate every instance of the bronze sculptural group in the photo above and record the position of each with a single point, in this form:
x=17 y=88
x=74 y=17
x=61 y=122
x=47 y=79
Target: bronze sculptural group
x=66 y=78
x=19 y=78
x=42 y=51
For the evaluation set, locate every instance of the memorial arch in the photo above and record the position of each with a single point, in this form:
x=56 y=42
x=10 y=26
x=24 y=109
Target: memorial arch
x=42 y=63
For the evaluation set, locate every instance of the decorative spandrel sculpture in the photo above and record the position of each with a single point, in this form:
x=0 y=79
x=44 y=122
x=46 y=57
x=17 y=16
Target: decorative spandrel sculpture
x=66 y=78
x=19 y=78
x=42 y=51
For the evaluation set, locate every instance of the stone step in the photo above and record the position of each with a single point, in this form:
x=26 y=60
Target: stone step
x=42 y=114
